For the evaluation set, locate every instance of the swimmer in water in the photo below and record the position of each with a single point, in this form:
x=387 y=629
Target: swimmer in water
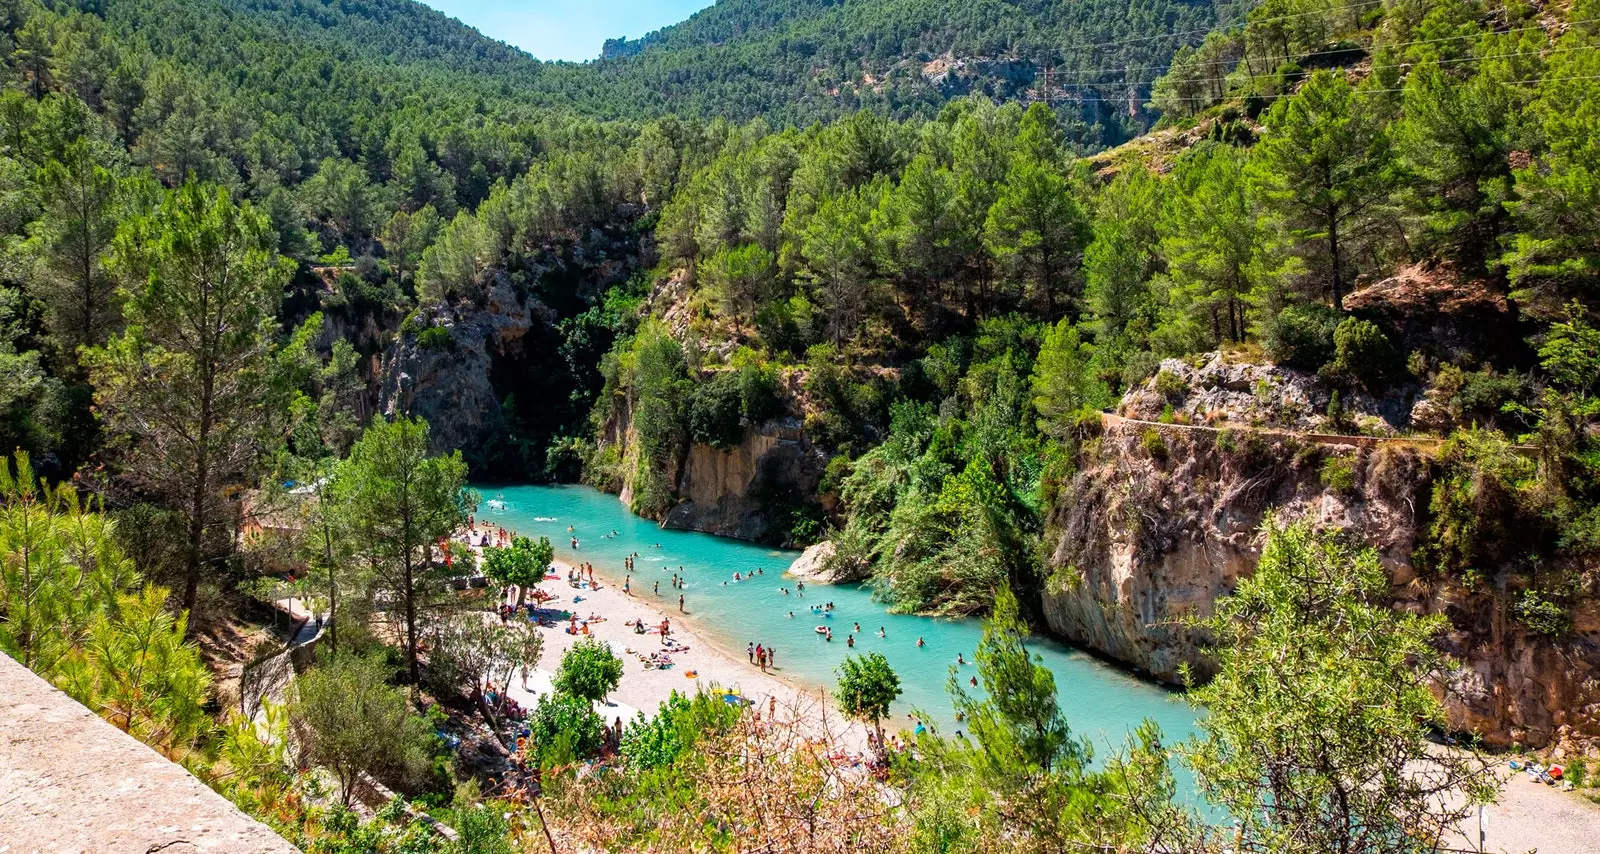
x=880 y=631
x=960 y=662
x=857 y=628
x=921 y=643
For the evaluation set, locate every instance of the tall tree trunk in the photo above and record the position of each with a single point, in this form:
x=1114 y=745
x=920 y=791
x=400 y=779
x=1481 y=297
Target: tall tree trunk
x=197 y=508
x=412 y=667
x=333 y=598
x=1333 y=252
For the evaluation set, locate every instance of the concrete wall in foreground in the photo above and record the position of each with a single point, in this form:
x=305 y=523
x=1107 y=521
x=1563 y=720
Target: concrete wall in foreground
x=71 y=783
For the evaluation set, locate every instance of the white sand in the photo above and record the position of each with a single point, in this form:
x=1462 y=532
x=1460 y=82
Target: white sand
x=1534 y=817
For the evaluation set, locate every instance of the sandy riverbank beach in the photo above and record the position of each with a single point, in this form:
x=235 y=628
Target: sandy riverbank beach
x=703 y=665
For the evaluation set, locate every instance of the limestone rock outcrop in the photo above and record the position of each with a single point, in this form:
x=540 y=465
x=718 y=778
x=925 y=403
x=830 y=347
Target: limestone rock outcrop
x=449 y=384
x=745 y=491
x=1154 y=530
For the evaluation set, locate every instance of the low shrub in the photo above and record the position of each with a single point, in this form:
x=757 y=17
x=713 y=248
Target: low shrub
x=1302 y=336
x=1362 y=356
x=564 y=728
x=1171 y=386
x=1339 y=474
x=1542 y=614
x=436 y=338
x=1154 y=444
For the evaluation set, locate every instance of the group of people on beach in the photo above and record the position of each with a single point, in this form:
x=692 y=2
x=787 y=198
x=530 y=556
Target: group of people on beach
x=486 y=535
x=761 y=655
x=580 y=573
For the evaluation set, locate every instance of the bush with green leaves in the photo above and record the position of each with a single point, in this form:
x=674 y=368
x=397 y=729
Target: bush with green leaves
x=1362 y=356
x=1542 y=614
x=564 y=728
x=347 y=719
x=1170 y=385
x=679 y=724
x=523 y=563
x=436 y=338
x=1309 y=651
x=588 y=670
x=715 y=411
x=867 y=687
x=1302 y=336
x=1338 y=474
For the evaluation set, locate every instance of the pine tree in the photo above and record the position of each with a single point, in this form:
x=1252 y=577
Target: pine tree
x=188 y=380
x=402 y=500
x=1218 y=251
x=1325 y=166
x=1036 y=228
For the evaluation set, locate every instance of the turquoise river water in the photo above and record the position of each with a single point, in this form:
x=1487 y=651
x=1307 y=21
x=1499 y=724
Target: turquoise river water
x=1101 y=702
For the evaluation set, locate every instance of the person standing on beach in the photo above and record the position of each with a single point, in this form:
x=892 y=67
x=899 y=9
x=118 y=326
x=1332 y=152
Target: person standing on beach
x=772 y=655
x=627 y=585
x=680 y=603
x=657 y=590
x=750 y=651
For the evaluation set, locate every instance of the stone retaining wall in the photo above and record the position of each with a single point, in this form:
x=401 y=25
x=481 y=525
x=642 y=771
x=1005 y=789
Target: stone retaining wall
x=71 y=783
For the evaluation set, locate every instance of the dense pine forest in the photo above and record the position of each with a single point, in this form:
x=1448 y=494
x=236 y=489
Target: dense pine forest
x=246 y=243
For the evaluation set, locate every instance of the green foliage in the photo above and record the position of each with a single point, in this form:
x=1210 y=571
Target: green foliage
x=867 y=686
x=1325 y=163
x=436 y=338
x=402 y=501
x=654 y=374
x=588 y=670
x=1154 y=444
x=1063 y=384
x=1542 y=615
x=1018 y=720
x=1476 y=506
x=1308 y=652
x=347 y=719
x=564 y=728
x=1362 y=356
x=1338 y=474
x=714 y=411
x=1170 y=385
x=679 y=724
x=1222 y=255
x=1302 y=336
x=187 y=382
x=523 y=563
x=1552 y=257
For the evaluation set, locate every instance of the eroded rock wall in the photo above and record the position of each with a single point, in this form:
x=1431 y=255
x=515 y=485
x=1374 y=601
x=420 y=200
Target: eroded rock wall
x=745 y=491
x=449 y=386
x=1161 y=522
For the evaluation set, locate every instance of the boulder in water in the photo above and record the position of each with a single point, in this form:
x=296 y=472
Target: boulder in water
x=813 y=565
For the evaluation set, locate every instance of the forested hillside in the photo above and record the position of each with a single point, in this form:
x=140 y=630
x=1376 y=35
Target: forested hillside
x=802 y=60
x=246 y=244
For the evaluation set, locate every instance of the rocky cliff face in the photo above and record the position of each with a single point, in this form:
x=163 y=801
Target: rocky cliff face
x=741 y=491
x=745 y=491
x=1162 y=521
x=448 y=383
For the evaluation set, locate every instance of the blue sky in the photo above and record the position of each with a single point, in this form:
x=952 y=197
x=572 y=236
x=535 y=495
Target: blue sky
x=566 y=29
